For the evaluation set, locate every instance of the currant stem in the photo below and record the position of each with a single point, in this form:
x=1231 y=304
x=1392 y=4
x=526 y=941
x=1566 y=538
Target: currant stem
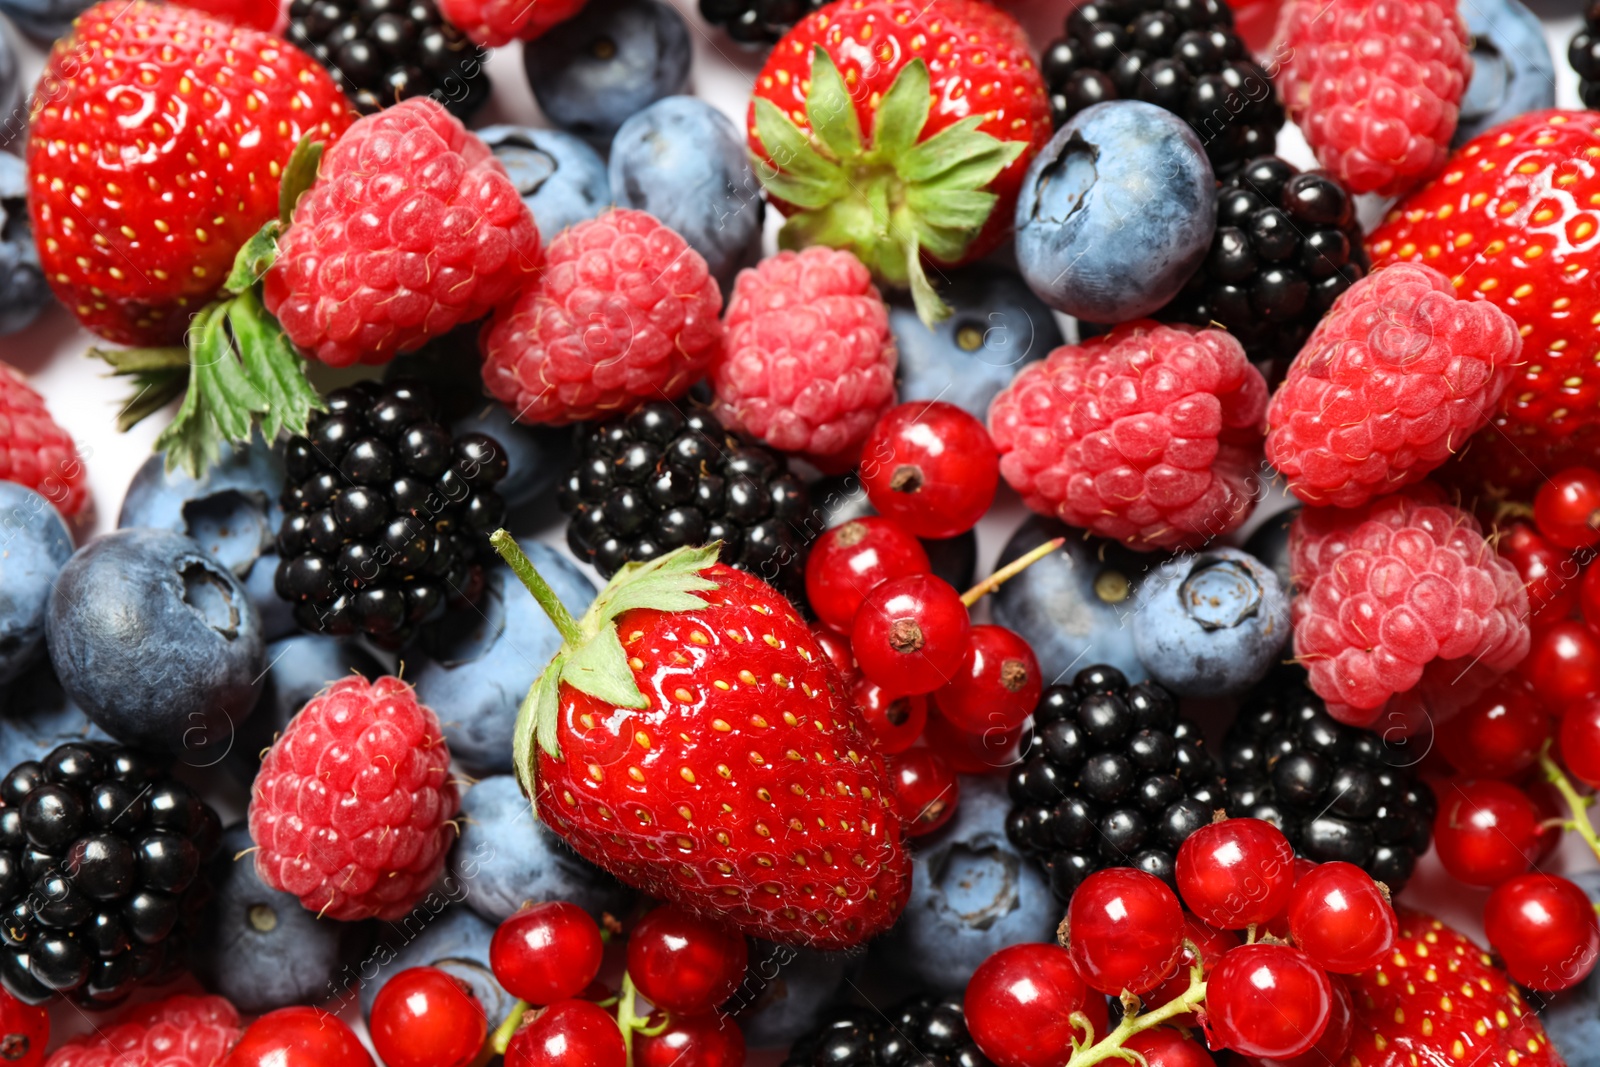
x=1010 y=570
x=501 y=1038
x=629 y=1020
x=523 y=568
x=1576 y=802
x=1111 y=1044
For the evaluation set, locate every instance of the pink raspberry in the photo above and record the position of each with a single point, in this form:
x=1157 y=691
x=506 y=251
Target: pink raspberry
x=1402 y=596
x=808 y=362
x=1396 y=377
x=1150 y=434
x=497 y=22
x=1375 y=85
x=181 y=1031
x=351 y=810
x=35 y=451
x=411 y=229
x=624 y=312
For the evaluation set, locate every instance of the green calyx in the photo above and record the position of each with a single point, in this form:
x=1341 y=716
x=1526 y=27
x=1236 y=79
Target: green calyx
x=591 y=658
x=890 y=200
x=236 y=368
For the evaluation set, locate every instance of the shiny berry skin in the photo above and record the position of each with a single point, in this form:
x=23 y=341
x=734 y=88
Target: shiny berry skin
x=569 y=1033
x=683 y=963
x=424 y=1017
x=932 y=467
x=1270 y=1001
x=24 y=1032
x=909 y=634
x=298 y=1037
x=1236 y=873
x=1165 y=1046
x=1545 y=930
x=1341 y=919
x=1549 y=572
x=1499 y=734
x=1213 y=945
x=1019 y=1004
x=1563 y=664
x=1126 y=930
x=546 y=952
x=836 y=647
x=925 y=789
x=1588 y=596
x=1335 y=1039
x=1567 y=508
x=992 y=750
x=1580 y=740
x=1552 y=812
x=894 y=723
x=854 y=558
x=1486 y=831
x=690 y=1041
x=996 y=684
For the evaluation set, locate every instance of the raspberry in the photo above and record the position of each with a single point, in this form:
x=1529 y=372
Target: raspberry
x=497 y=22
x=625 y=312
x=351 y=810
x=1375 y=86
x=35 y=451
x=1396 y=377
x=181 y=1031
x=808 y=363
x=1149 y=434
x=411 y=229
x=1402 y=597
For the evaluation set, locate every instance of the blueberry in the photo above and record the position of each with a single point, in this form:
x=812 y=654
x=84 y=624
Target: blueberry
x=507 y=856
x=23 y=291
x=482 y=658
x=786 y=991
x=972 y=893
x=607 y=63
x=34 y=545
x=1270 y=544
x=39 y=717
x=560 y=178
x=1212 y=624
x=998 y=325
x=681 y=160
x=298 y=668
x=436 y=933
x=43 y=20
x=1512 y=70
x=1116 y=212
x=157 y=642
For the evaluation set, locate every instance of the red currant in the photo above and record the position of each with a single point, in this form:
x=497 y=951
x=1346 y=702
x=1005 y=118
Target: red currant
x=1331 y=1046
x=1580 y=740
x=298 y=1037
x=1268 y=1000
x=1545 y=929
x=1486 y=831
x=932 y=467
x=423 y=1017
x=1549 y=572
x=1563 y=665
x=1589 y=596
x=909 y=633
x=893 y=723
x=1278 y=925
x=1164 y=1046
x=1213 y=944
x=925 y=790
x=1499 y=734
x=1550 y=806
x=1236 y=873
x=996 y=684
x=1126 y=930
x=683 y=963
x=24 y=1032
x=1567 y=508
x=984 y=753
x=836 y=647
x=546 y=952
x=1019 y=1004
x=569 y=1033
x=690 y=1041
x=1341 y=919
x=852 y=559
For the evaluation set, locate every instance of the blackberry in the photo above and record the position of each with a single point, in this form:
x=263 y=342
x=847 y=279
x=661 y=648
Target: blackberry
x=1287 y=245
x=1338 y=792
x=386 y=514
x=662 y=477
x=1584 y=55
x=924 y=1031
x=1181 y=55
x=759 y=23
x=101 y=854
x=1110 y=776
x=380 y=52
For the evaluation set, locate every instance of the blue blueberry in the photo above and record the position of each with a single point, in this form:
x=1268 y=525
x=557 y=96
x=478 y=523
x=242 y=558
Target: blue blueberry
x=157 y=642
x=536 y=456
x=38 y=717
x=612 y=60
x=507 y=857
x=1211 y=624
x=23 y=292
x=258 y=946
x=1116 y=212
x=1270 y=544
x=232 y=509
x=681 y=160
x=298 y=668
x=482 y=659
x=785 y=992
x=998 y=325
x=440 y=933
x=560 y=178
x=44 y=20
x=34 y=545
x=839 y=499
x=972 y=894
x=1512 y=70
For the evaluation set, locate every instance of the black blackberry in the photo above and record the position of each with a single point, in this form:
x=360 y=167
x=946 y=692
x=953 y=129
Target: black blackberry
x=1584 y=55
x=386 y=514
x=1338 y=792
x=380 y=52
x=1182 y=55
x=757 y=22
x=1110 y=776
x=1287 y=245
x=101 y=854
x=662 y=477
x=924 y=1031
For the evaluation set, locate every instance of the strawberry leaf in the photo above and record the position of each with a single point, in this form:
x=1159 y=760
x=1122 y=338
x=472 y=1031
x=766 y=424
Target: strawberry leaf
x=537 y=719
x=830 y=111
x=254 y=258
x=298 y=176
x=902 y=112
x=791 y=150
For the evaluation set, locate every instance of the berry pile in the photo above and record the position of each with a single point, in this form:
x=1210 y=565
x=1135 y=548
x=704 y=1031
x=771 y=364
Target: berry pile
x=758 y=23
x=1584 y=54
x=923 y=1030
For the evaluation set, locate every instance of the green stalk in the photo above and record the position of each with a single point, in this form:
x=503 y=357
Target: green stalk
x=1577 y=803
x=523 y=568
x=501 y=1038
x=1112 y=1043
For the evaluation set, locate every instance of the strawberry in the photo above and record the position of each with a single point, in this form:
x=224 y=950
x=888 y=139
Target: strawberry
x=692 y=737
x=1439 y=1001
x=1514 y=219
x=899 y=129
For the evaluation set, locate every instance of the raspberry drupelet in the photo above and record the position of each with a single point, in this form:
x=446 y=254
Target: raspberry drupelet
x=180 y=1031
x=35 y=451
